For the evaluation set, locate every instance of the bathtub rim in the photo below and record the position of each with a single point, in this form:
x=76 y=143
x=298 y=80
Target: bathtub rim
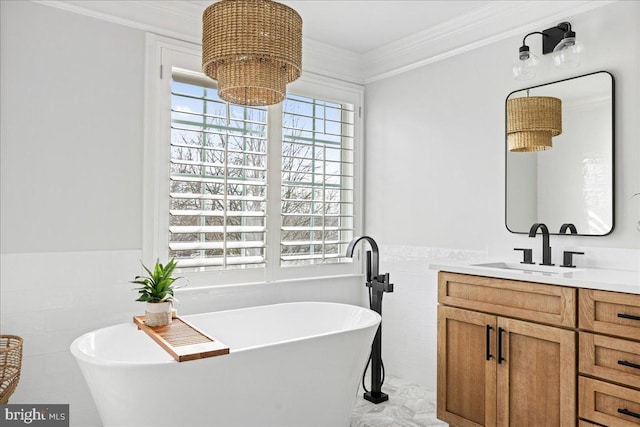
x=74 y=347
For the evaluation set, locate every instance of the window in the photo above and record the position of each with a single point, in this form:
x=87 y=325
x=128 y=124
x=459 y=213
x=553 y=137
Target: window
x=317 y=180
x=218 y=179
x=253 y=193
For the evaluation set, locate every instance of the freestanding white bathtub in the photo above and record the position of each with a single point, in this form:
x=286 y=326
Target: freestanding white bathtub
x=294 y=364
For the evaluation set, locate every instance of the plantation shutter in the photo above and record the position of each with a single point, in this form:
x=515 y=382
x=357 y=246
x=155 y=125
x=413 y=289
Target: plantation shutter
x=317 y=193
x=218 y=178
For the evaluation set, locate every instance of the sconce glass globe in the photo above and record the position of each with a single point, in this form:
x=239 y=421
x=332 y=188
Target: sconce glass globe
x=525 y=68
x=568 y=53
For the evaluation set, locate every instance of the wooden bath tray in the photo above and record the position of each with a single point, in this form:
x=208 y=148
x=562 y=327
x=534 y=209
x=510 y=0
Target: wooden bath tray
x=182 y=340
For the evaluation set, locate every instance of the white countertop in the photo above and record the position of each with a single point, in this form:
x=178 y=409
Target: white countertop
x=590 y=278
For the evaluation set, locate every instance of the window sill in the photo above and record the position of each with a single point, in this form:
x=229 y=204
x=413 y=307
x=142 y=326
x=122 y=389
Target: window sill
x=191 y=290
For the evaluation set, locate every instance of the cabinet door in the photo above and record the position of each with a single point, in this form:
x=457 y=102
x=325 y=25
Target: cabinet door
x=466 y=367
x=536 y=375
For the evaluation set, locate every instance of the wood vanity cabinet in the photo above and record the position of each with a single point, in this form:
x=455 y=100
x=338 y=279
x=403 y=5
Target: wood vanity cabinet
x=506 y=352
x=609 y=362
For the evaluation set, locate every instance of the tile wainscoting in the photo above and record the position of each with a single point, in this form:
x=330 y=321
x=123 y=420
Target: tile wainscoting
x=409 y=313
x=49 y=299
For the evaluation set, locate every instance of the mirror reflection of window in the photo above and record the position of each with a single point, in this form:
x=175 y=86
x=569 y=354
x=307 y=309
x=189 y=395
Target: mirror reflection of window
x=573 y=181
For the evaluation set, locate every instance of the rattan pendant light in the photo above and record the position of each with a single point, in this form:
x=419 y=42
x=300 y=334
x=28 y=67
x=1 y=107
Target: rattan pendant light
x=253 y=48
x=532 y=121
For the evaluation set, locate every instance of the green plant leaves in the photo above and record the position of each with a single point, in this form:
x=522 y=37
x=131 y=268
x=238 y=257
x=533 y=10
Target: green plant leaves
x=158 y=285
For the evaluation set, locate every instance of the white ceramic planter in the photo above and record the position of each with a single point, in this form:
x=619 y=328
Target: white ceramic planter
x=158 y=313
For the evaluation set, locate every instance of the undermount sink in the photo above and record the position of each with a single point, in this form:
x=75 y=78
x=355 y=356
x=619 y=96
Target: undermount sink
x=532 y=268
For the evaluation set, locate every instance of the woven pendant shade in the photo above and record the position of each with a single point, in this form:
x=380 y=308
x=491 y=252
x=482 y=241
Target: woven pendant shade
x=532 y=121
x=253 y=48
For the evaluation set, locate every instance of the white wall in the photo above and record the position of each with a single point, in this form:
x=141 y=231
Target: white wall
x=71 y=197
x=435 y=172
x=72 y=108
x=71 y=153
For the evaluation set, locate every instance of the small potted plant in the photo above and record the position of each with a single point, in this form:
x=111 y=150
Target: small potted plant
x=157 y=292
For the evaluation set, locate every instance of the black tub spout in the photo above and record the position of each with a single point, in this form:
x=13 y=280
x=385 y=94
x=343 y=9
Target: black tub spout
x=372 y=263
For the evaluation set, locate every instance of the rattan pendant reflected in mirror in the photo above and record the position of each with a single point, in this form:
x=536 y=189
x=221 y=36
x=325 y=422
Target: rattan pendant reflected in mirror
x=253 y=48
x=532 y=121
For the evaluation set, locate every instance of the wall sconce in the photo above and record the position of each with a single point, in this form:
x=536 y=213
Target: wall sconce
x=532 y=121
x=253 y=48
x=559 y=41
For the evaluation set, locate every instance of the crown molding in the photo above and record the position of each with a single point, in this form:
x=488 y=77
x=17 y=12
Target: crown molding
x=158 y=17
x=182 y=21
x=331 y=61
x=496 y=21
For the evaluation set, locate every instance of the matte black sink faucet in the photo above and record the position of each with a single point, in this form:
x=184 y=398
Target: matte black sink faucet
x=546 y=249
x=568 y=226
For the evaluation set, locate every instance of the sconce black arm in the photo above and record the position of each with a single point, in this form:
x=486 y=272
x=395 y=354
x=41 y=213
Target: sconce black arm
x=524 y=39
x=524 y=49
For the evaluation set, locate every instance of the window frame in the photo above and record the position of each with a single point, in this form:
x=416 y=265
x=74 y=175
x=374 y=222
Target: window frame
x=162 y=55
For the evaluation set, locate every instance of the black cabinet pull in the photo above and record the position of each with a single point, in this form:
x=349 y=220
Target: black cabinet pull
x=500 y=358
x=628 y=316
x=629 y=364
x=628 y=412
x=487 y=347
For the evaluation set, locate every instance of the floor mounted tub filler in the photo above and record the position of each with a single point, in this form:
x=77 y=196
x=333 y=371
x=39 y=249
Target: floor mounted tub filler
x=294 y=364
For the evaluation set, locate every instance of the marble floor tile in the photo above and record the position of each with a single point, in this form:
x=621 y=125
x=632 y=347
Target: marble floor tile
x=409 y=405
